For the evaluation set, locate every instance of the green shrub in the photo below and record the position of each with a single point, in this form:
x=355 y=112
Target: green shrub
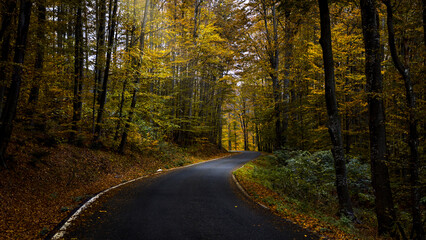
x=310 y=177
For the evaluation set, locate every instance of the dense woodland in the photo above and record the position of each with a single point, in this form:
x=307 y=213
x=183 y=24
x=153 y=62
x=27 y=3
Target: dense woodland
x=254 y=75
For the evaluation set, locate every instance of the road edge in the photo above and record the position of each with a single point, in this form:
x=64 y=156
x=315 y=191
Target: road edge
x=63 y=229
x=245 y=193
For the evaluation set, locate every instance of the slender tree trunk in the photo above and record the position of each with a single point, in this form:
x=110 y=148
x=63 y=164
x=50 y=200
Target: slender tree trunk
x=273 y=54
x=219 y=120
x=135 y=90
x=100 y=58
x=7 y=16
x=256 y=128
x=243 y=122
x=78 y=73
x=275 y=82
x=235 y=136
x=60 y=29
x=9 y=111
x=378 y=156
x=347 y=136
x=103 y=93
x=424 y=21
x=229 y=133
x=413 y=137
x=5 y=35
x=120 y=111
x=41 y=17
x=3 y=69
x=288 y=52
x=129 y=120
x=197 y=9
x=334 y=125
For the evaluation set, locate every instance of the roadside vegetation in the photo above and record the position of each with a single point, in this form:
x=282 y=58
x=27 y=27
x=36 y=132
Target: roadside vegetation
x=299 y=186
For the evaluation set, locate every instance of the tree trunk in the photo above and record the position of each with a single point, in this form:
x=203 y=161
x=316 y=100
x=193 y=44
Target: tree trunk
x=424 y=21
x=229 y=132
x=334 y=125
x=219 y=121
x=7 y=16
x=288 y=52
x=9 y=111
x=5 y=35
x=78 y=73
x=103 y=94
x=235 y=136
x=197 y=10
x=378 y=156
x=256 y=128
x=243 y=122
x=120 y=111
x=275 y=82
x=135 y=90
x=273 y=54
x=413 y=138
x=38 y=65
x=129 y=120
x=60 y=29
x=100 y=58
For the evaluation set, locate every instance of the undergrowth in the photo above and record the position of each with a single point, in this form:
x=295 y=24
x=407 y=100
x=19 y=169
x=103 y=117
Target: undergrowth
x=299 y=186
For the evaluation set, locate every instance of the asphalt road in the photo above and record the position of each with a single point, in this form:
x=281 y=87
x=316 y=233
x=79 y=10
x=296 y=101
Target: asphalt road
x=197 y=202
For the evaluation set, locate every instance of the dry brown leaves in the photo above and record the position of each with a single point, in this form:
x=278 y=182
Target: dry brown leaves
x=36 y=194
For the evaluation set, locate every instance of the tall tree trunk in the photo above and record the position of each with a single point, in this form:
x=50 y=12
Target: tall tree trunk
x=273 y=54
x=103 y=93
x=6 y=18
x=275 y=81
x=135 y=90
x=219 y=120
x=288 y=52
x=256 y=128
x=5 y=35
x=197 y=9
x=378 y=156
x=100 y=57
x=334 y=125
x=78 y=72
x=120 y=111
x=235 y=136
x=38 y=65
x=413 y=137
x=424 y=21
x=9 y=111
x=229 y=132
x=243 y=122
x=3 y=69
x=60 y=29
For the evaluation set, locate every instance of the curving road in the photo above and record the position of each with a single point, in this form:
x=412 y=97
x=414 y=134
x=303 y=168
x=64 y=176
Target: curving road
x=197 y=202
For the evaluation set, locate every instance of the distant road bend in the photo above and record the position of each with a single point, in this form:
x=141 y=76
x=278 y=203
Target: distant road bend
x=197 y=202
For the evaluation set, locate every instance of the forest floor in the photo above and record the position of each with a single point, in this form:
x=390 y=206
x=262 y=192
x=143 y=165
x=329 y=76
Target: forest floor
x=46 y=181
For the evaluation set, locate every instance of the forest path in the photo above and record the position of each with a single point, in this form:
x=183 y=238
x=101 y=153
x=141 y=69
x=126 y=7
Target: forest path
x=196 y=202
